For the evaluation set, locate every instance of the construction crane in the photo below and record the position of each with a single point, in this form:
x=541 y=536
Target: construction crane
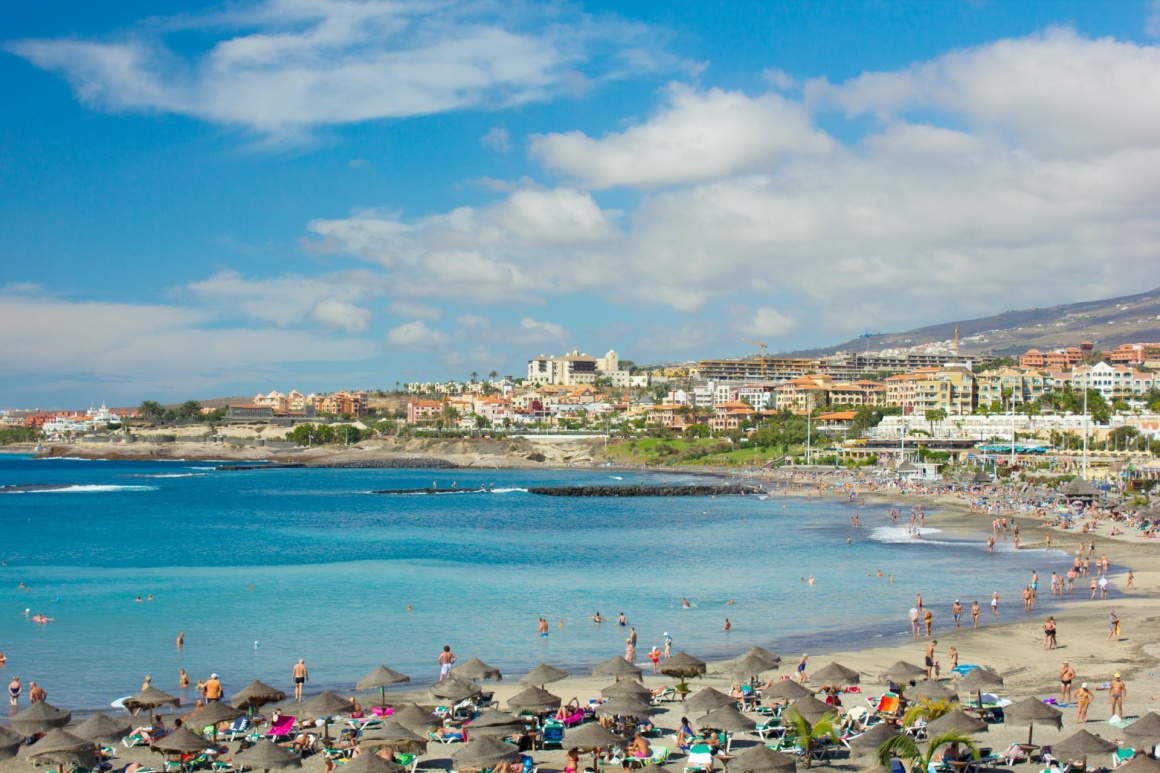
x=760 y=345
x=868 y=335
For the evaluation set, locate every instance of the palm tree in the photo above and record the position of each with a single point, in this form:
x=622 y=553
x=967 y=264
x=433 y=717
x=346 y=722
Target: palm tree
x=926 y=710
x=808 y=737
x=905 y=747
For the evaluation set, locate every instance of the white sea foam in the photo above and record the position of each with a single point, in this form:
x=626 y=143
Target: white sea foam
x=93 y=489
x=901 y=534
x=508 y=490
x=173 y=475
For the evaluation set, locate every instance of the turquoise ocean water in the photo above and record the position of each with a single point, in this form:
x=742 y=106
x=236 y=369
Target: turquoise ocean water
x=333 y=568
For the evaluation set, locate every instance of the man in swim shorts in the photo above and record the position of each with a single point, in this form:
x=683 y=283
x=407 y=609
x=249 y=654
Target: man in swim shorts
x=957 y=612
x=213 y=689
x=446 y=659
x=1066 y=675
x=300 y=676
x=930 y=657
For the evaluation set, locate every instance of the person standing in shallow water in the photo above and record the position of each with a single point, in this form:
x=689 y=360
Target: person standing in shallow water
x=446 y=659
x=300 y=675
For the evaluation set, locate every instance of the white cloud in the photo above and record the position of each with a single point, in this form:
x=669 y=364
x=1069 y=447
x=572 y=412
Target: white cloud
x=295 y=64
x=404 y=307
x=1152 y=24
x=331 y=300
x=698 y=136
x=769 y=322
x=498 y=139
x=416 y=335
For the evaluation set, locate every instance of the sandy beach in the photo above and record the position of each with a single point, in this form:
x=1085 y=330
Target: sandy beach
x=1014 y=650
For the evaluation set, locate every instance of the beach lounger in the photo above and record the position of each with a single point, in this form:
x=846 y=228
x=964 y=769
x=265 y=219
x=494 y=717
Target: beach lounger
x=460 y=738
x=1014 y=754
x=284 y=728
x=574 y=718
x=552 y=734
x=667 y=695
x=659 y=756
x=699 y=762
x=132 y=740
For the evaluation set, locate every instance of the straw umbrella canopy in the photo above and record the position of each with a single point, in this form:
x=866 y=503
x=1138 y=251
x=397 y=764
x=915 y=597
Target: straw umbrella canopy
x=211 y=715
x=683 y=666
x=40 y=717
x=180 y=741
x=617 y=667
x=381 y=678
x=485 y=752
x=1140 y=764
x=957 y=721
x=727 y=718
x=255 y=695
x=627 y=689
x=455 y=689
x=901 y=671
x=771 y=659
x=496 y=722
x=10 y=742
x=1081 y=744
x=544 y=674
x=102 y=728
x=977 y=679
x=623 y=707
x=534 y=700
x=708 y=699
x=1144 y=732
x=392 y=733
x=476 y=669
x=931 y=690
x=1031 y=712
x=788 y=690
x=762 y=759
x=324 y=706
x=267 y=755
x=868 y=742
x=62 y=748
x=152 y=699
x=371 y=763
x=811 y=708
x=835 y=673
x=592 y=736
x=749 y=666
x=415 y=718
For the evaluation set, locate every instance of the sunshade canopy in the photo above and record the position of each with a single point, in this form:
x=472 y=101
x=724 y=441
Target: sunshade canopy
x=835 y=673
x=257 y=694
x=958 y=721
x=708 y=699
x=617 y=667
x=728 y=719
x=476 y=669
x=485 y=752
x=267 y=755
x=762 y=759
x=180 y=741
x=379 y=678
x=100 y=727
x=40 y=717
x=534 y=699
x=545 y=674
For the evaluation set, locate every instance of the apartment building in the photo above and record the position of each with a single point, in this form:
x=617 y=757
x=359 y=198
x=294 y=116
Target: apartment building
x=1006 y=384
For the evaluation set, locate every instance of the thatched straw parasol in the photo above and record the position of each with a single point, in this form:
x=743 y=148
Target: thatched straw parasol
x=372 y=763
x=455 y=689
x=592 y=736
x=485 y=752
x=211 y=715
x=102 y=729
x=901 y=671
x=868 y=742
x=39 y=718
x=708 y=699
x=394 y=734
x=957 y=721
x=623 y=707
x=683 y=666
x=1081 y=745
x=978 y=679
x=811 y=708
x=180 y=741
x=476 y=669
x=762 y=759
x=255 y=695
x=150 y=699
x=931 y=690
x=415 y=718
x=627 y=689
x=771 y=659
x=534 y=700
x=835 y=673
x=544 y=674
x=10 y=742
x=728 y=719
x=267 y=755
x=379 y=679
x=62 y=748
x=617 y=667
x=1144 y=732
x=1031 y=712
x=786 y=689
x=1141 y=763
x=748 y=666
x=497 y=723
x=324 y=706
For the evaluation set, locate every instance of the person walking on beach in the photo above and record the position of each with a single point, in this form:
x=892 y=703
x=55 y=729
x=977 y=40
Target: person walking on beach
x=801 y=669
x=1094 y=588
x=1131 y=585
x=1113 y=626
x=1083 y=699
x=1103 y=583
x=1117 y=691
x=655 y=656
x=930 y=657
x=668 y=646
x=1066 y=675
x=957 y=612
x=1049 y=629
x=975 y=613
x=213 y=689
x=446 y=659
x=914 y=622
x=927 y=618
x=300 y=675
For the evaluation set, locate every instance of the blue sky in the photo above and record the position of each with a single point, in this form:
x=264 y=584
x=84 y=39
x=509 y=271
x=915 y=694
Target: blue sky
x=202 y=199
